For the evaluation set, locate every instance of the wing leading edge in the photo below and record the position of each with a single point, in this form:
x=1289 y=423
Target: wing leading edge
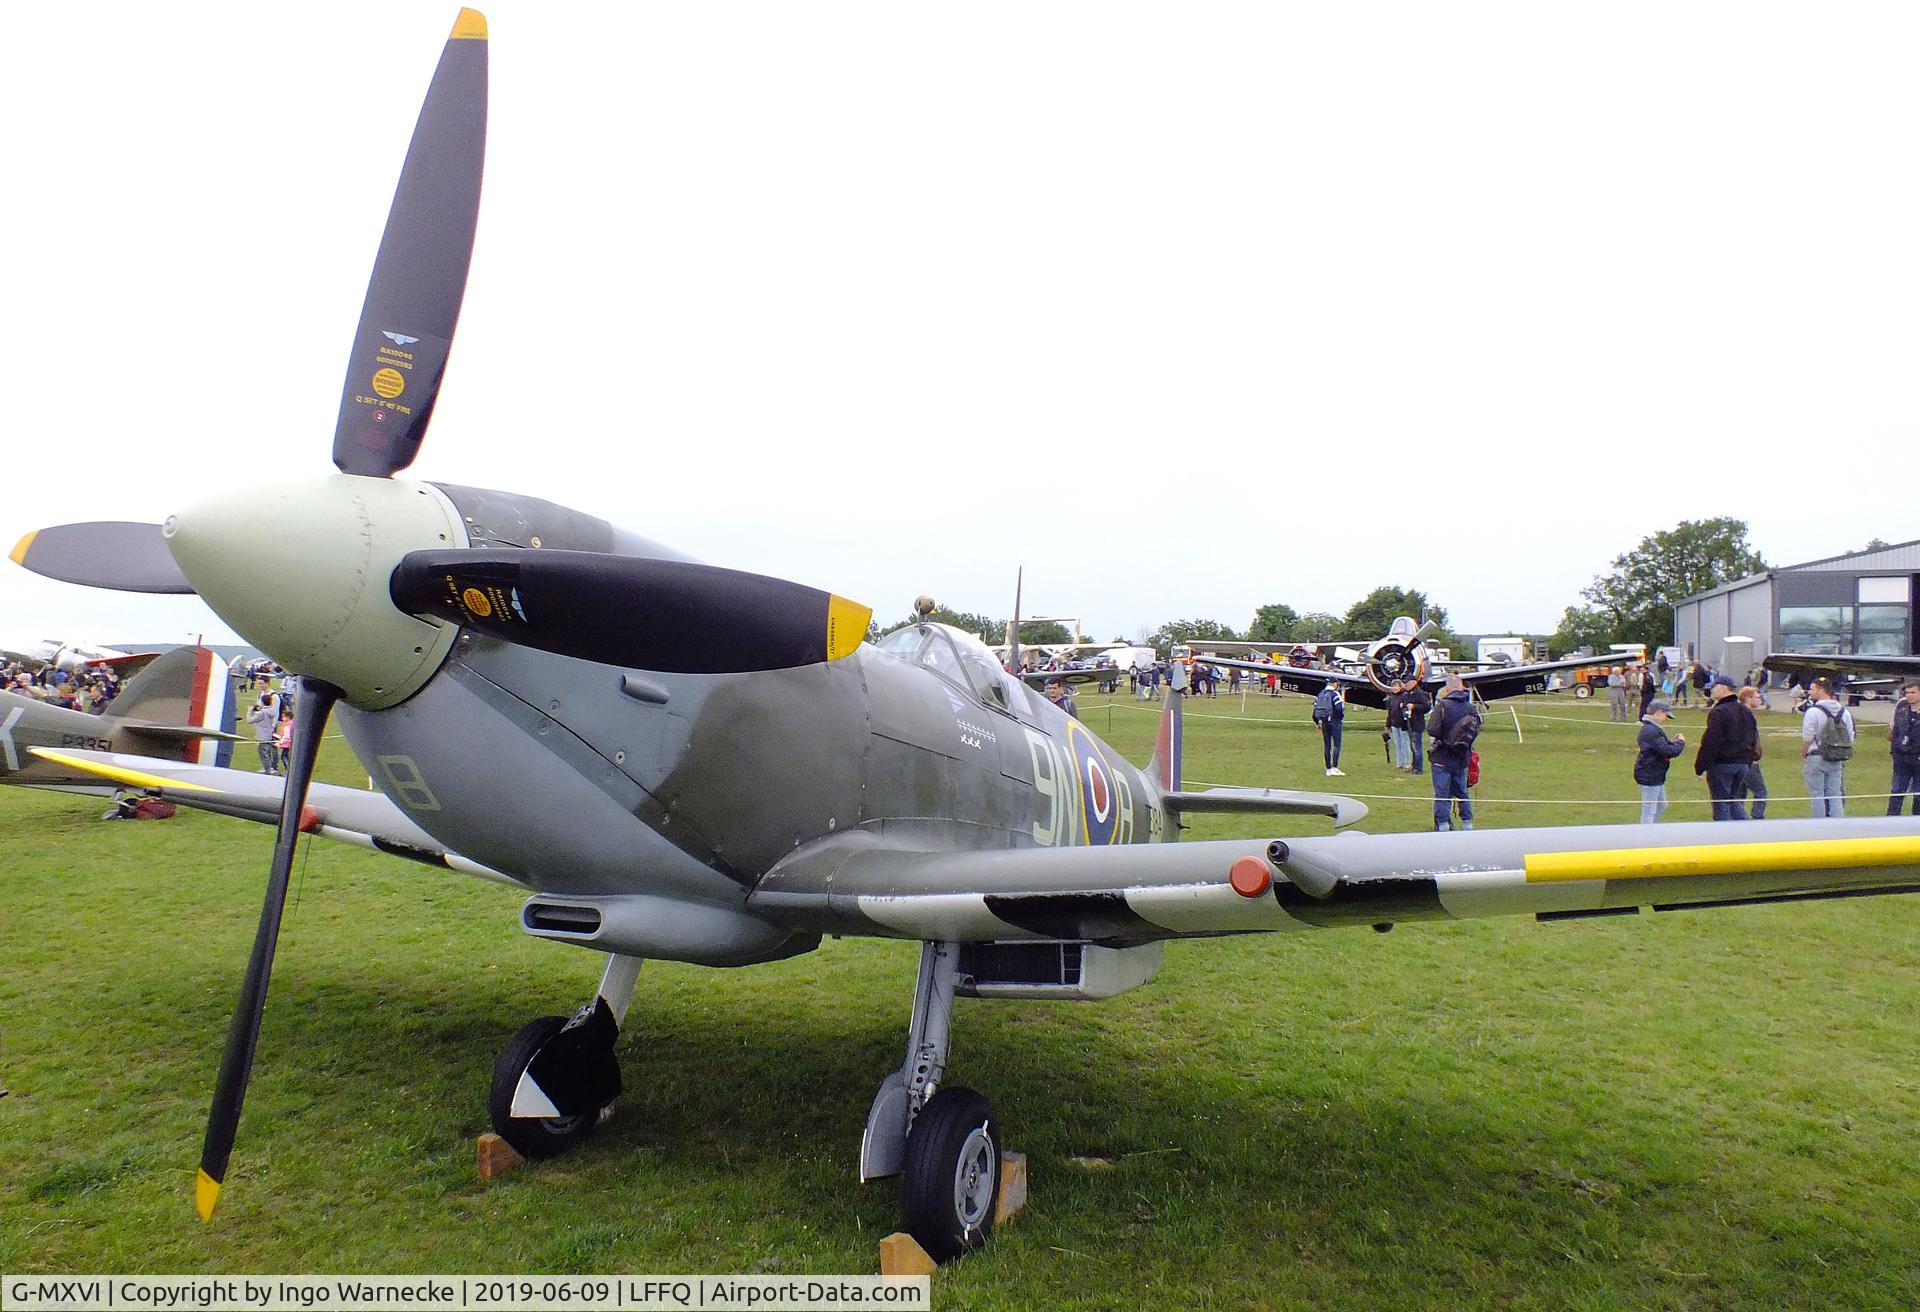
x=860 y=884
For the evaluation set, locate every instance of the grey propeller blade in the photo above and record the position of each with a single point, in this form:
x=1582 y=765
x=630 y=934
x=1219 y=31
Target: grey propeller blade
x=420 y=276
x=117 y=554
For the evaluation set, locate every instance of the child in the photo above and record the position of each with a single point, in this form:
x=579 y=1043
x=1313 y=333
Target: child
x=1657 y=751
x=283 y=739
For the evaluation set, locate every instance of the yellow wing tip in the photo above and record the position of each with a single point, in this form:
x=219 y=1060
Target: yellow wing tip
x=847 y=624
x=471 y=25
x=19 y=553
x=119 y=774
x=206 y=1195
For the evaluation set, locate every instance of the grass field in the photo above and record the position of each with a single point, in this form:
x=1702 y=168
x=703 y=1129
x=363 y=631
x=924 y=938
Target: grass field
x=1717 y=1109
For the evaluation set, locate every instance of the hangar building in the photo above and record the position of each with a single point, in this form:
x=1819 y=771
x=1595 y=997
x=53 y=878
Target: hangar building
x=1862 y=603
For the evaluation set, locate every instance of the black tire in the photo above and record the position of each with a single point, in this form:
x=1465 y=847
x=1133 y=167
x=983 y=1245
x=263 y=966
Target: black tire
x=1582 y=691
x=532 y=1138
x=951 y=1181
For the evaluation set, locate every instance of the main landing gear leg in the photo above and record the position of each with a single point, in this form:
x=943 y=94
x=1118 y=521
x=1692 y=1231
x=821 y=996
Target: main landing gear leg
x=943 y=1143
x=557 y=1079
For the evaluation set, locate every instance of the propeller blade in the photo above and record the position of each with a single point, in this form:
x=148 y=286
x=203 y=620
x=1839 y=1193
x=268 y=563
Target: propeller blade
x=115 y=554
x=420 y=275
x=243 y=1035
x=669 y=615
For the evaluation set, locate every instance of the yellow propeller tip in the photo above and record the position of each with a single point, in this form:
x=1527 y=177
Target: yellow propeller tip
x=470 y=26
x=206 y=1195
x=19 y=553
x=847 y=623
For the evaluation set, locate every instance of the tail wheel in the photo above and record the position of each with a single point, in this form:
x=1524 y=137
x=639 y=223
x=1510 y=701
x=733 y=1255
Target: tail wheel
x=951 y=1181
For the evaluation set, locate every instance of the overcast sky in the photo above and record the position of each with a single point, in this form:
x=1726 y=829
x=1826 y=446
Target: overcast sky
x=1186 y=309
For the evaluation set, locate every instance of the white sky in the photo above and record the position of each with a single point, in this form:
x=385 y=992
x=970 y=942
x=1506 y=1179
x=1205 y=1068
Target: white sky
x=1183 y=308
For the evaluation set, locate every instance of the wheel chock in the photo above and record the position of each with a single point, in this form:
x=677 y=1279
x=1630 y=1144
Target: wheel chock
x=1013 y=1188
x=901 y=1255
x=494 y=1156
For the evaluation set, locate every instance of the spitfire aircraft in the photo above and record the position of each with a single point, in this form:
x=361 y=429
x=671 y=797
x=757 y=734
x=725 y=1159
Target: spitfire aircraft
x=1403 y=655
x=691 y=763
x=1855 y=672
x=179 y=708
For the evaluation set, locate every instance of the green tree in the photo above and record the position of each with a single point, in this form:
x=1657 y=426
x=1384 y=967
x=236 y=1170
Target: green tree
x=1582 y=626
x=1040 y=632
x=1167 y=635
x=1317 y=626
x=1274 y=623
x=1372 y=615
x=1639 y=593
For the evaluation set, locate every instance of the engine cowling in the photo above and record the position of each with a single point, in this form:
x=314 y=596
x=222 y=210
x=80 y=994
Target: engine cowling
x=1392 y=661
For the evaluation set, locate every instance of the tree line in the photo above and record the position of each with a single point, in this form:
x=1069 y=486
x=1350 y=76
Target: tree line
x=1632 y=602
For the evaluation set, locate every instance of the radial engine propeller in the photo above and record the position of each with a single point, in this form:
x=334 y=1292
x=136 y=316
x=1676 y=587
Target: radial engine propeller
x=1400 y=656
x=359 y=582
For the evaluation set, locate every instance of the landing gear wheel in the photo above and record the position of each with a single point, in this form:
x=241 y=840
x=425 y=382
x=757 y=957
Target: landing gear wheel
x=546 y=1137
x=951 y=1181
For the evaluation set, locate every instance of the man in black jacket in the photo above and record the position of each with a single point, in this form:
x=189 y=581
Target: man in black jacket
x=1417 y=703
x=1905 y=737
x=1726 y=750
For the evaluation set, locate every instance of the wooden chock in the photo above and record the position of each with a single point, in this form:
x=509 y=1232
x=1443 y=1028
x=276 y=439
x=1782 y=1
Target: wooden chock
x=1013 y=1188
x=901 y=1255
x=494 y=1156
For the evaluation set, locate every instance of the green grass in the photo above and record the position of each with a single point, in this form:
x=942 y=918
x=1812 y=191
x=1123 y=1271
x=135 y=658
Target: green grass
x=1704 y=1110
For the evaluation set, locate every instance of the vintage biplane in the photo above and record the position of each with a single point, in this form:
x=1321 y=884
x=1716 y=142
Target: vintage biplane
x=686 y=762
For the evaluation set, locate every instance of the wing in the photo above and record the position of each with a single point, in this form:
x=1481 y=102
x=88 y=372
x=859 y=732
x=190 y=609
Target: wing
x=1040 y=678
x=1519 y=680
x=1893 y=667
x=1294 y=678
x=346 y=815
x=861 y=884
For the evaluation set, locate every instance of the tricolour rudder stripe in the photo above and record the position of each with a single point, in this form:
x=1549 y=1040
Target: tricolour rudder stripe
x=1163 y=767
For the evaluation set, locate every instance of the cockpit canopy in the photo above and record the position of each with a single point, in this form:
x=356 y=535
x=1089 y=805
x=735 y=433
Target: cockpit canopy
x=957 y=656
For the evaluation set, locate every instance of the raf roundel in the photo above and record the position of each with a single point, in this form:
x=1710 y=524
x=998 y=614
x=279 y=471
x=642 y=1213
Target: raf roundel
x=1096 y=787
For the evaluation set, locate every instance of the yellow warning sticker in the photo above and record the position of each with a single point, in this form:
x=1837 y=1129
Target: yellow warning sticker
x=476 y=601
x=389 y=383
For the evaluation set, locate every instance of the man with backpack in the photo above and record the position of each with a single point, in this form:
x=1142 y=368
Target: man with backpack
x=1455 y=725
x=1330 y=713
x=1826 y=744
x=1905 y=737
x=1727 y=749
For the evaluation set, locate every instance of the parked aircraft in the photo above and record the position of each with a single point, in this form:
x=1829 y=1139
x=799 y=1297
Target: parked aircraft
x=179 y=707
x=692 y=763
x=1402 y=655
x=1855 y=673
x=65 y=655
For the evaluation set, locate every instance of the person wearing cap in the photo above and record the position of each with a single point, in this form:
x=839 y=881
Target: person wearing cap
x=1726 y=750
x=1756 y=787
x=1657 y=751
x=1617 y=694
x=1057 y=694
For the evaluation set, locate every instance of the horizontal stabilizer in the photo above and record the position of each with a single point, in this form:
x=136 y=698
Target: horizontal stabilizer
x=1269 y=801
x=183 y=732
